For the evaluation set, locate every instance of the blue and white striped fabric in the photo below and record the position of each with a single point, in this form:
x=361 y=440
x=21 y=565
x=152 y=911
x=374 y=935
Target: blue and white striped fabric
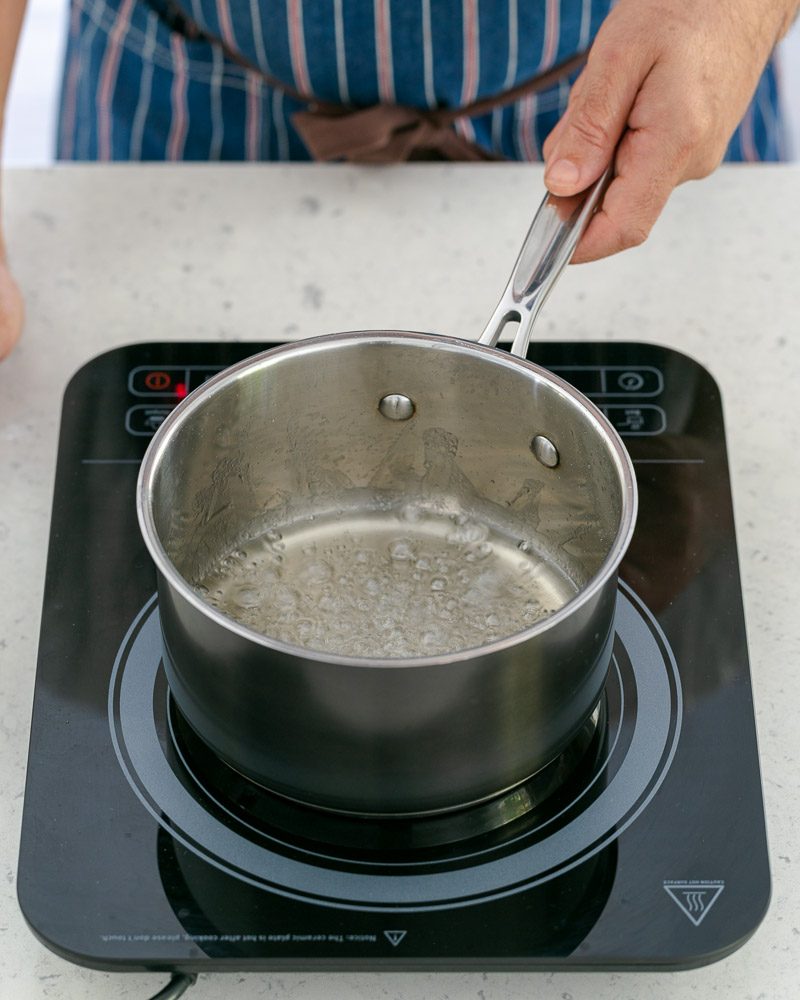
x=133 y=89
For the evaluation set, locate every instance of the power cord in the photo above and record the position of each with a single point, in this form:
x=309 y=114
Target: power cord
x=176 y=987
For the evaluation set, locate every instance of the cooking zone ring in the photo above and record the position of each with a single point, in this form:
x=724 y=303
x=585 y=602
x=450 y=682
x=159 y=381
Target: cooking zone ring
x=469 y=877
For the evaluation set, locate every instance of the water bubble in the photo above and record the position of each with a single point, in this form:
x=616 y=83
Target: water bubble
x=283 y=598
x=317 y=572
x=477 y=552
x=473 y=597
x=412 y=513
x=247 y=596
x=468 y=531
x=273 y=535
x=401 y=550
x=305 y=628
x=438 y=583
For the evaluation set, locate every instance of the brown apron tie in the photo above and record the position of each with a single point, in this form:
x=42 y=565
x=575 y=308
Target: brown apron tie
x=383 y=133
x=388 y=133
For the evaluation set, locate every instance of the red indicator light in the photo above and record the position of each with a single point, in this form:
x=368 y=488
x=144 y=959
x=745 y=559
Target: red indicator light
x=180 y=390
x=157 y=381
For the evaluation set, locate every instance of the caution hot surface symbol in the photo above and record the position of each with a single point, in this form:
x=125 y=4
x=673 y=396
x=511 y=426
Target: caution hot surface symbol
x=695 y=898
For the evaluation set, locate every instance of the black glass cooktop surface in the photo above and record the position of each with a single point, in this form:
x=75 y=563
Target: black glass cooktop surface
x=643 y=846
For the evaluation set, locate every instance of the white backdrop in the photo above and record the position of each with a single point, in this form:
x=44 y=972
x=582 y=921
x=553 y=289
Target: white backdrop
x=32 y=103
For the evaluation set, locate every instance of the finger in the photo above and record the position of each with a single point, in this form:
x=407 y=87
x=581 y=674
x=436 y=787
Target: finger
x=587 y=135
x=647 y=170
x=558 y=128
x=11 y=312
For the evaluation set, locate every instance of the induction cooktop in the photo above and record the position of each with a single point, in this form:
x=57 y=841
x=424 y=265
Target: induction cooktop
x=642 y=847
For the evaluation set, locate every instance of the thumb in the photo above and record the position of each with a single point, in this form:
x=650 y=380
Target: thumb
x=582 y=144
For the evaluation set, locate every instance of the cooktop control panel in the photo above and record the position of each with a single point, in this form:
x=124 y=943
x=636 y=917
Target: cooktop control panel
x=627 y=394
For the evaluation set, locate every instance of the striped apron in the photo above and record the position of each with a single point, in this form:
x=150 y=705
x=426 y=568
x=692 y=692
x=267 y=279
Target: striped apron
x=135 y=88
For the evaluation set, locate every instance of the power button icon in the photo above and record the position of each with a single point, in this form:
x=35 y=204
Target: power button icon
x=157 y=381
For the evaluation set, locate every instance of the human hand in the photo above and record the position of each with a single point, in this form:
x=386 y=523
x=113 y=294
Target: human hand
x=676 y=77
x=11 y=309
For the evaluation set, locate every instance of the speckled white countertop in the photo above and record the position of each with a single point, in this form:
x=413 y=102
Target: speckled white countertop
x=107 y=255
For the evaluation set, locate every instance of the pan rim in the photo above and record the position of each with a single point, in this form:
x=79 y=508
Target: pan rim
x=217 y=383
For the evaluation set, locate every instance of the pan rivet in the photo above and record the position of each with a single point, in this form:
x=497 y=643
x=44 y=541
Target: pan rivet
x=544 y=449
x=396 y=406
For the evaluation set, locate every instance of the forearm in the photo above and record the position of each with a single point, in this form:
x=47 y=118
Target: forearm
x=11 y=15
x=791 y=12
x=770 y=20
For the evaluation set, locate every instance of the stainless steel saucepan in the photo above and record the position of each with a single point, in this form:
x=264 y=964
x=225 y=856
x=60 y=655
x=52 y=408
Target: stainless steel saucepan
x=443 y=464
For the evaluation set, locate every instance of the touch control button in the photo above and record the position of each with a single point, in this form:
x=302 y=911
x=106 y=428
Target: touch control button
x=144 y=420
x=197 y=376
x=631 y=381
x=639 y=419
x=613 y=380
x=164 y=381
x=587 y=379
x=634 y=381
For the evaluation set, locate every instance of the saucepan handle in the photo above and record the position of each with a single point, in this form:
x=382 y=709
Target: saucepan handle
x=548 y=247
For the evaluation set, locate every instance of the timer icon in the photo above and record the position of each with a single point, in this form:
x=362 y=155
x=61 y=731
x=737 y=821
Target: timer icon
x=630 y=381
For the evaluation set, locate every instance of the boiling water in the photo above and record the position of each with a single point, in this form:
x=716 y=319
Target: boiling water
x=386 y=585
